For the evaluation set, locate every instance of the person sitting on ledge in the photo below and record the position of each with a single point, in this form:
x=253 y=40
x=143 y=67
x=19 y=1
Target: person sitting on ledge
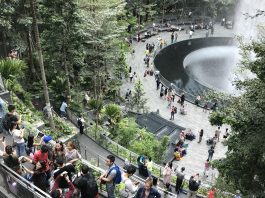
x=190 y=135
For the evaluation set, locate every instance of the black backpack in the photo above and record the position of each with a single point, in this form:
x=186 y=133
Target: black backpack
x=79 y=122
x=6 y=122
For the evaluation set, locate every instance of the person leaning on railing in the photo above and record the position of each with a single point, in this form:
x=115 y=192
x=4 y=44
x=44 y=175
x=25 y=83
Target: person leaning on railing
x=11 y=160
x=128 y=188
x=57 y=192
x=86 y=183
x=194 y=184
x=147 y=191
x=38 y=175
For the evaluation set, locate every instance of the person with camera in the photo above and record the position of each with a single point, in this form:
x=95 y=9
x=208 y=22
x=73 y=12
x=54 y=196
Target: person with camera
x=41 y=156
x=62 y=168
x=37 y=175
x=57 y=192
x=194 y=184
x=86 y=183
x=18 y=138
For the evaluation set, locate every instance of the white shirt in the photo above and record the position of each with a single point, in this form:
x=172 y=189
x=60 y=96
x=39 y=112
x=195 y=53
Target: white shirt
x=17 y=136
x=63 y=107
x=129 y=184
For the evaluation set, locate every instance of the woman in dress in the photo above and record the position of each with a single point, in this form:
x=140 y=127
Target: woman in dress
x=167 y=174
x=71 y=154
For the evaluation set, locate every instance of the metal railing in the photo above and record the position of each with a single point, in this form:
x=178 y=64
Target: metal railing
x=19 y=186
x=189 y=97
x=100 y=159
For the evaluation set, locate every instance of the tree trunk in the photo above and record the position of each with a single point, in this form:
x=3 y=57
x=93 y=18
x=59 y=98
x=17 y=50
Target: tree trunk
x=39 y=50
x=163 y=12
x=4 y=44
x=68 y=87
x=31 y=64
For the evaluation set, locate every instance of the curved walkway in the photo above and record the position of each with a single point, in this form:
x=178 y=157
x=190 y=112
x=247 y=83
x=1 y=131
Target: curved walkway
x=196 y=119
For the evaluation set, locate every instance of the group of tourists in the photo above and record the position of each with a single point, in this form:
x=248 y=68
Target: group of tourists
x=49 y=165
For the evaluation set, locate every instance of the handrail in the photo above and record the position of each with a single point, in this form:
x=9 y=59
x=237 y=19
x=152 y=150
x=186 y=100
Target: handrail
x=134 y=177
x=29 y=186
x=168 y=84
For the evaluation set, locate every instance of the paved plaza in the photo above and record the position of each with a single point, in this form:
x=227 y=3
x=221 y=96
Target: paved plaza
x=195 y=119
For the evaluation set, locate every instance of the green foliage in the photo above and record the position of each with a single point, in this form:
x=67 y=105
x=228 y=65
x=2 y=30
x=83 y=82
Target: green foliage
x=147 y=144
x=128 y=134
x=26 y=111
x=113 y=112
x=126 y=131
x=95 y=105
x=61 y=127
x=138 y=101
x=243 y=166
x=216 y=118
x=11 y=68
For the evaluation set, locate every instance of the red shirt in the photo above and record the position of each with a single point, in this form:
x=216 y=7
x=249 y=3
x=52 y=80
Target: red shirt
x=41 y=156
x=211 y=194
x=70 y=184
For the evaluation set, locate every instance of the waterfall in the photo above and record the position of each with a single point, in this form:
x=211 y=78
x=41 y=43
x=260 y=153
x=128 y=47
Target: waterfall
x=245 y=24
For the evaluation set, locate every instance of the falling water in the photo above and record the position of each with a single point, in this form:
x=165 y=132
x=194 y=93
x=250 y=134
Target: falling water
x=213 y=66
x=246 y=21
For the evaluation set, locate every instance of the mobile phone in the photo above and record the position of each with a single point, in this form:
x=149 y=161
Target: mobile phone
x=40 y=134
x=3 y=139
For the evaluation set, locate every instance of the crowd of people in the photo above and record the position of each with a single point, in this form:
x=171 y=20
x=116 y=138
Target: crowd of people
x=53 y=167
x=50 y=166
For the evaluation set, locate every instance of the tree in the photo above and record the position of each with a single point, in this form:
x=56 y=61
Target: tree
x=113 y=112
x=147 y=144
x=138 y=101
x=126 y=131
x=143 y=10
x=39 y=50
x=96 y=106
x=63 y=39
x=245 y=160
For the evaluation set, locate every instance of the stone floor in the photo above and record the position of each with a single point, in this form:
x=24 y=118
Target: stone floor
x=195 y=119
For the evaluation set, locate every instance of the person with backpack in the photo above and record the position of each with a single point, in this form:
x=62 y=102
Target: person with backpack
x=86 y=183
x=127 y=188
x=180 y=178
x=210 y=153
x=172 y=113
x=81 y=124
x=111 y=177
x=194 y=184
x=142 y=168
